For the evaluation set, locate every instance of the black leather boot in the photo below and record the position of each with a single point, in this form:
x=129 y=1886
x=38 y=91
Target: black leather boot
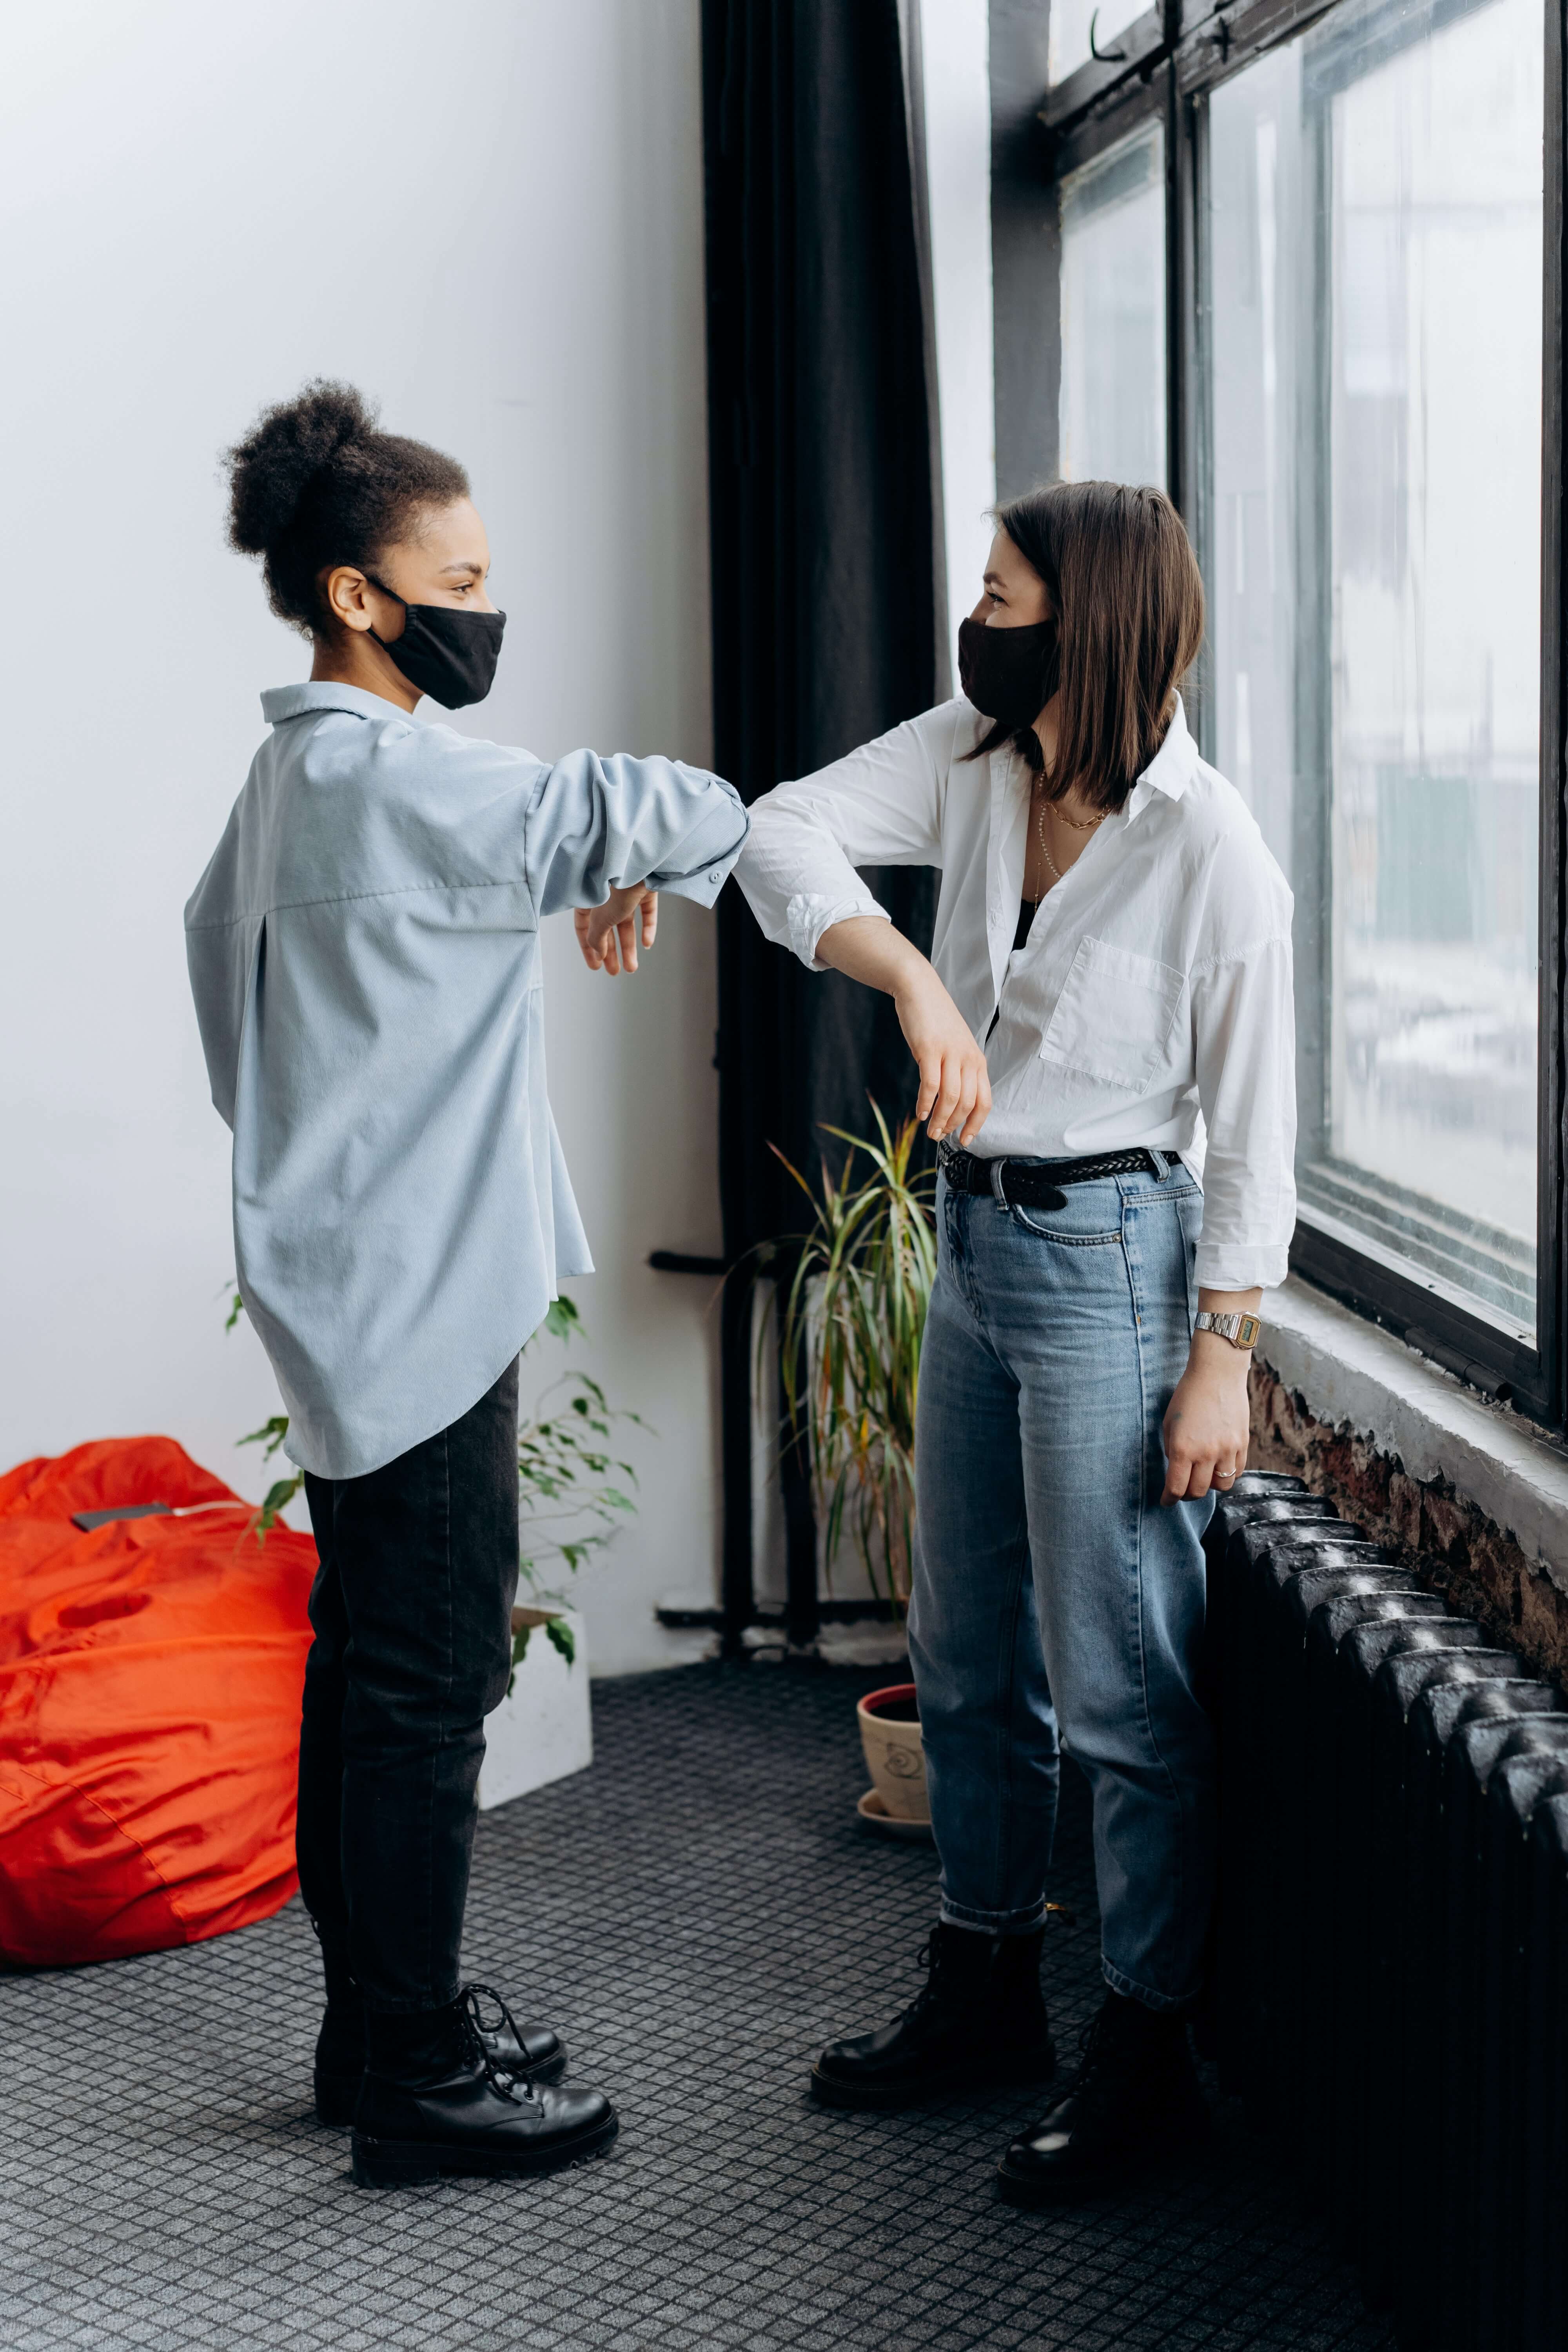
x=1133 y=2107
x=534 y=2052
x=978 y=2025
x=432 y=2103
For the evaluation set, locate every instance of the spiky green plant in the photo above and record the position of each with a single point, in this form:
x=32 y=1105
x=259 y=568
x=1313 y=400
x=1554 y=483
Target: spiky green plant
x=854 y=1318
x=572 y=1490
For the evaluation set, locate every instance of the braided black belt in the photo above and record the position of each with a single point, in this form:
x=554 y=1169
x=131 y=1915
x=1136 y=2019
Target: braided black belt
x=1040 y=1185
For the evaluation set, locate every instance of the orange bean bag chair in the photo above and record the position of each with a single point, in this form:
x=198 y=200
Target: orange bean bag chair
x=150 y=1677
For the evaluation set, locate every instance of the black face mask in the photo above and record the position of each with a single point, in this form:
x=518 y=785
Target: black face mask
x=447 y=654
x=1010 y=675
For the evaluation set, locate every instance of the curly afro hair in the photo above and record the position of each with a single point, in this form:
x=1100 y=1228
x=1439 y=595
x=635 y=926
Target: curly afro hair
x=314 y=483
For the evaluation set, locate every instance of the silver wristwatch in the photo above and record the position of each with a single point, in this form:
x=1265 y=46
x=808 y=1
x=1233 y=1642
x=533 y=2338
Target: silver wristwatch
x=1241 y=1330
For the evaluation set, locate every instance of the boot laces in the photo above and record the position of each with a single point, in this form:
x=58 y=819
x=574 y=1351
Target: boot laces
x=1101 y=2052
x=471 y=2017
x=937 y=1971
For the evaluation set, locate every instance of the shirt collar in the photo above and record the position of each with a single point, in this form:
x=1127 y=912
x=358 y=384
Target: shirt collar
x=1170 y=771
x=281 y=702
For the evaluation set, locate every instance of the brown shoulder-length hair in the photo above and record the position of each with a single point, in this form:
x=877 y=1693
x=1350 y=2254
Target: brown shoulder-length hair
x=1125 y=588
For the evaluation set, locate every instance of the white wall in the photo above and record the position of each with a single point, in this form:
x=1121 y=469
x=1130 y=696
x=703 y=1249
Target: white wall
x=489 y=215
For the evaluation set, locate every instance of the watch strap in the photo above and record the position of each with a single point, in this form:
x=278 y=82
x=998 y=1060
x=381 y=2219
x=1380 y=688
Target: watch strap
x=1241 y=1330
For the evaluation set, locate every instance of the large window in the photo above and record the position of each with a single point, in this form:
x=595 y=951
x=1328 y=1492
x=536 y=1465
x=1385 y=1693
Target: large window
x=1349 y=408
x=1374 y=348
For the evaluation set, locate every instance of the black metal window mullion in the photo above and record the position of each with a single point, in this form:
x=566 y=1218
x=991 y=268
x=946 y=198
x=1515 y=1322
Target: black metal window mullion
x=1552 y=1126
x=1190 y=120
x=1178 y=280
x=1312 y=857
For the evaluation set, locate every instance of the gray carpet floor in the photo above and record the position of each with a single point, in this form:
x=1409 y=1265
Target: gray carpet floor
x=696 y=1913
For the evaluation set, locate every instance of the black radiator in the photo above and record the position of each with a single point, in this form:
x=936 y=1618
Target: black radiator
x=1390 y=1980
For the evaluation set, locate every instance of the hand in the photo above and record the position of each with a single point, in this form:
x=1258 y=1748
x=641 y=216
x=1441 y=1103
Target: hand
x=955 y=1086
x=607 y=935
x=1207 y=1427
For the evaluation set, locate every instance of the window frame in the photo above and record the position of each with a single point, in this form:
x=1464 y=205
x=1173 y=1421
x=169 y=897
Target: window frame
x=1171 y=60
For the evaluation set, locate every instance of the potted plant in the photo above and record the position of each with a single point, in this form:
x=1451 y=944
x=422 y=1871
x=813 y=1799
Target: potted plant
x=853 y=1322
x=571 y=1495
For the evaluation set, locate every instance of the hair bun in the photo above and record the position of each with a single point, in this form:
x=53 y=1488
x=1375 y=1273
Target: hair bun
x=288 y=446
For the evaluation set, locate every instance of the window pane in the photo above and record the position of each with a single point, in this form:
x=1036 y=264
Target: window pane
x=1375 y=260
x=1113 y=315
x=1070 y=21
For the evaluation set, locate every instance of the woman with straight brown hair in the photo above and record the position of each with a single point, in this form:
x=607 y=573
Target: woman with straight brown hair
x=1108 y=996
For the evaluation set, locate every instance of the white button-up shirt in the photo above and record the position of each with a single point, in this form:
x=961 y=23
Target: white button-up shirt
x=1152 y=1001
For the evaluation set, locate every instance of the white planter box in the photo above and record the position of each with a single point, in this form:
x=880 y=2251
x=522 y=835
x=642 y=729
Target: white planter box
x=545 y=1729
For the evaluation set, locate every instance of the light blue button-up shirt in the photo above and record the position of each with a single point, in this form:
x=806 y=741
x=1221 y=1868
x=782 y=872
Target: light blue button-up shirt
x=364 y=951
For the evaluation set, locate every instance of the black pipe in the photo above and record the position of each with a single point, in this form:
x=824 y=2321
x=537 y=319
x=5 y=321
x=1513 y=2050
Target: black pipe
x=803 y=1609
x=736 y=1595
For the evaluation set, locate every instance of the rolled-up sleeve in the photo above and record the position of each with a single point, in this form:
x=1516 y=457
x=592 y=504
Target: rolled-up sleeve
x=881 y=805
x=1245 y=1038
x=595 y=825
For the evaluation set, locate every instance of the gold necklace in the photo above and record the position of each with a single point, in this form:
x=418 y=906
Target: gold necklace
x=1078 y=824
x=1055 y=872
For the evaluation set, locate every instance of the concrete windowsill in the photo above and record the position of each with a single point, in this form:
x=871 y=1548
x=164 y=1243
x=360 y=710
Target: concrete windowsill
x=1347 y=1371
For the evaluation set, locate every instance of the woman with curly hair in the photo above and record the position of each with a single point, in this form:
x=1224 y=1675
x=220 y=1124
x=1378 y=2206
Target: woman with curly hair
x=363 y=950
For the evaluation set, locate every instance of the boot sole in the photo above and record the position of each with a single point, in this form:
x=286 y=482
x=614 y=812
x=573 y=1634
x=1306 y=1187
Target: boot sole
x=1023 y=2189
x=400 y=2163
x=876 y=2099
x=337 y=2096
x=1109 y=2181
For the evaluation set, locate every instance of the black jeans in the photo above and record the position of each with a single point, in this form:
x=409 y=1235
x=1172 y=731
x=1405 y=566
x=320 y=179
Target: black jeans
x=412 y=1614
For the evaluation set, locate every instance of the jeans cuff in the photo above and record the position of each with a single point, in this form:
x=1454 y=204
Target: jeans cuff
x=994 y=1923
x=1145 y=1993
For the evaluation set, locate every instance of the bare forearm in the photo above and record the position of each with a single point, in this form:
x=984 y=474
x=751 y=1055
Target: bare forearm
x=954 y=1089
x=868 y=949
x=1226 y=1362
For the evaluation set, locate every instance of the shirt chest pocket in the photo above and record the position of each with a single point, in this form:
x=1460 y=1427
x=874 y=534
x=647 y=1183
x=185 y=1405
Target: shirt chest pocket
x=1114 y=1016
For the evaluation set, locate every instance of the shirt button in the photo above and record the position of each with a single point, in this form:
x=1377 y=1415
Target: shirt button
x=714 y=875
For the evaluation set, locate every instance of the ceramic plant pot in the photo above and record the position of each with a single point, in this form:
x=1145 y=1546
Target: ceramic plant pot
x=890 y=1736
x=544 y=1729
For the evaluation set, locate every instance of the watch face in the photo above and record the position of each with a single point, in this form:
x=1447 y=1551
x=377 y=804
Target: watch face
x=1248 y=1328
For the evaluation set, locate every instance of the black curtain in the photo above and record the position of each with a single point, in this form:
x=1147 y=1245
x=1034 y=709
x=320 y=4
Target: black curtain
x=829 y=618
x=827 y=588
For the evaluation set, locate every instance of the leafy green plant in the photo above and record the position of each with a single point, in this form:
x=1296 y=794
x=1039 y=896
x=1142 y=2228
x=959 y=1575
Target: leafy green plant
x=853 y=1319
x=573 y=1489
x=270 y=1437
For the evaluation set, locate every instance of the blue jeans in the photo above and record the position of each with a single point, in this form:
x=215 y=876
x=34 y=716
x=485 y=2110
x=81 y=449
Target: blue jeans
x=1054 y=1598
